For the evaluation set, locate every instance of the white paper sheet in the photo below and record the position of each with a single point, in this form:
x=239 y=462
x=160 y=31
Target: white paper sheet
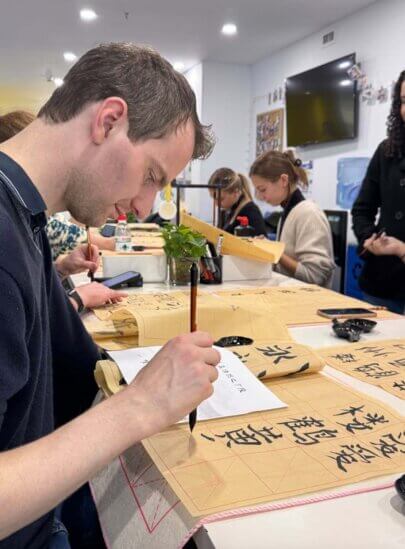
x=237 y=391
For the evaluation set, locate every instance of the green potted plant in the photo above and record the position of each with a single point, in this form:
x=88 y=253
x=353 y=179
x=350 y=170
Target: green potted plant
x=182 y=247
x=131 y=217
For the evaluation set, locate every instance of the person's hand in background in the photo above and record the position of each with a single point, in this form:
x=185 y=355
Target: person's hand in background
x=96 y=294
x=78 y=261
x=385 y=245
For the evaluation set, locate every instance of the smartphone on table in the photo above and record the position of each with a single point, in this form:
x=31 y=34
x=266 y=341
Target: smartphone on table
x=349 y=312
x=130 y=278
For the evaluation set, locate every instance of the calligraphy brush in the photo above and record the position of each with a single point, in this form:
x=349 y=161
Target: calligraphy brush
x=90 y=274
x=192 y=418
x=378 y=235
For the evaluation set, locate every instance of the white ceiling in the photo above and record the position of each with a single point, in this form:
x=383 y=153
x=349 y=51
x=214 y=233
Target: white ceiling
x=35 y=33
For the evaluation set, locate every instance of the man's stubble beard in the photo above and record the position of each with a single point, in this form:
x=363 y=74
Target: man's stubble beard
x=83 y=199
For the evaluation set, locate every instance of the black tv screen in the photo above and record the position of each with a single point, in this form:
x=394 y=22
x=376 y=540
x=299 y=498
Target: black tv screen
x=321 y=104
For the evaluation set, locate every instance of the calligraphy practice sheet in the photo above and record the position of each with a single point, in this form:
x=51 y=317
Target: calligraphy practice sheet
x=153 y=319
x=380 y=363
x=260 y=313
x=149 y=240
x=295 y=305
x=236 y=391
x=268 y=251
x=273 y=358
x=328 y=436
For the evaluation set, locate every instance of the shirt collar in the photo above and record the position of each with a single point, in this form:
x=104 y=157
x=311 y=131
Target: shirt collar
x=237 y=203
x=21 y=185
x=295 y=198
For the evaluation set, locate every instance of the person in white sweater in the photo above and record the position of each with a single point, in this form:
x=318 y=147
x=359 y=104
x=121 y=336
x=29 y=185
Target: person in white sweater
x=303 y=226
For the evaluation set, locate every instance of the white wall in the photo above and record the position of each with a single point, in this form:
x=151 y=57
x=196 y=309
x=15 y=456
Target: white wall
x=195 y=79
x=225 y=103
x=376 y=35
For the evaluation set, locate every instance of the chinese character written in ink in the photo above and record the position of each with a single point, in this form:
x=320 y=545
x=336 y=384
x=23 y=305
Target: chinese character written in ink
x=310 y=290
x=366 y=422
x=399 y=385
x=286 y=292
x=387 y=449
x=352 y=410
x=375 y=371
x=374 y=351
x=242 y=358
x=398 y=362
x=277 y=353
x=124 y=323
x=399 y=346
x=345 y=357
x=352 y=453
x=247 y=436
x=308 y=437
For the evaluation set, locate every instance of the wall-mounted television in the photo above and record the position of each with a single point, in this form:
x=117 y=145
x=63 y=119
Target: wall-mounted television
x=322 y=104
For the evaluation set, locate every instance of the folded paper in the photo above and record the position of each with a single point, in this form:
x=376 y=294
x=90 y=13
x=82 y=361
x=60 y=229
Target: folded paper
x=255 y=249
x=153 y=319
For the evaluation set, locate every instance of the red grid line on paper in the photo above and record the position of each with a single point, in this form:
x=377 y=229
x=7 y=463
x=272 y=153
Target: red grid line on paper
x=150 y=527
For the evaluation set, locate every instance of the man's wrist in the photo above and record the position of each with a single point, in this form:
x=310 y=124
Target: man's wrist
x=59 y=265
x=74 y=294
x=142 y=417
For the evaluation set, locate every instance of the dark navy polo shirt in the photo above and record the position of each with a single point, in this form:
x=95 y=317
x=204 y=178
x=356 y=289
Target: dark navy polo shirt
x=46 y=356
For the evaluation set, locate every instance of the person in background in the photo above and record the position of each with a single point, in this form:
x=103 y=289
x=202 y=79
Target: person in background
x=13 y=122
x=381 y=204
x=64 y=237
x=236 y=200
x=303 y=226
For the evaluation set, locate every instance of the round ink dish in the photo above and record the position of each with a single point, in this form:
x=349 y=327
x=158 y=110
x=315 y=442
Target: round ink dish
x=233 y=341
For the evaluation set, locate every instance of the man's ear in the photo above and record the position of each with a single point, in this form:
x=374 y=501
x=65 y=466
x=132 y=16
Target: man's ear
x=111 y=115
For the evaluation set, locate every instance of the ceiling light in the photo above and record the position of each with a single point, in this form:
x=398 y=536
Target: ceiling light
x=57 y=81
x=88 y=15
x=344 y=64
x=229 y=29
x=69 y=56
x=178 y=66
x=345 y=82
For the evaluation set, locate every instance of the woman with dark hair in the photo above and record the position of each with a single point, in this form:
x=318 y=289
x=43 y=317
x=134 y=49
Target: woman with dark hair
x=383 y=192
x=303 y=226
x=236 y=200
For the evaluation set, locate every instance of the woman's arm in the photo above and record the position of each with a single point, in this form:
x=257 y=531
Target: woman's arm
x=365 y=207
x=289 y=264
x=313 y=249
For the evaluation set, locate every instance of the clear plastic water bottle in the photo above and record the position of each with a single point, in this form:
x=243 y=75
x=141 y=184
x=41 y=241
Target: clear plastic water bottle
x=123 y=240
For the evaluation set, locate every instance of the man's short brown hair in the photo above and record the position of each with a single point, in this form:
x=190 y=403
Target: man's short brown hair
x=159 y=99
